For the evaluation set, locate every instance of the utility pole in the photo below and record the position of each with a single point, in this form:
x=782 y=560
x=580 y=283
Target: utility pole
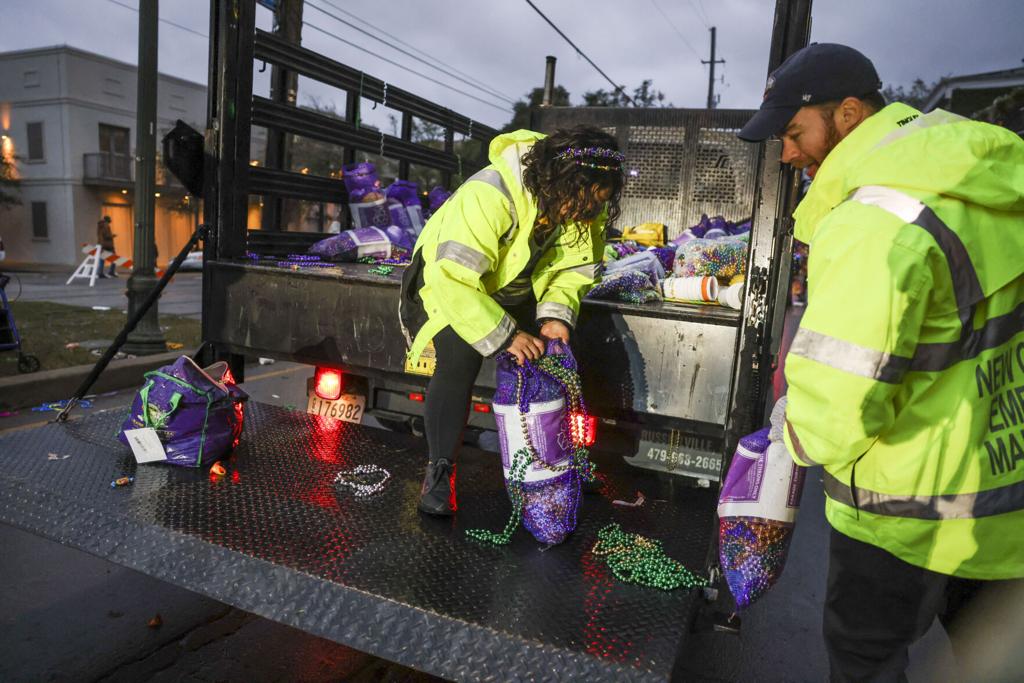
x=711 y=75
x=284 y=87
x=146 y=338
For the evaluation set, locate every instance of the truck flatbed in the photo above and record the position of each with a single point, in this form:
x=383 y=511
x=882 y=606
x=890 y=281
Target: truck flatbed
x=360 y=273
x=274 y=537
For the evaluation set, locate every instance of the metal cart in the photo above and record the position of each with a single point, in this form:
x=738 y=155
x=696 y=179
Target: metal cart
x=10 y=340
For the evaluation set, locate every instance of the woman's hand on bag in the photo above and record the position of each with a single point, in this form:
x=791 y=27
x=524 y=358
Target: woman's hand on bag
x=555 y=329
x=526 y=347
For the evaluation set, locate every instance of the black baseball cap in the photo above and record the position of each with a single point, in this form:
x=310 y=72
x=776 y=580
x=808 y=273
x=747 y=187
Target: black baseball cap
x=820 y=72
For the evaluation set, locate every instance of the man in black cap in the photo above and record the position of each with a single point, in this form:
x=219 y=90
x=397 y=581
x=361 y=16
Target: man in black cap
x=906 y=376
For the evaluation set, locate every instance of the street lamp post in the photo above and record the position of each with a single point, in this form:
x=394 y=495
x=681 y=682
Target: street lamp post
x=146 y=338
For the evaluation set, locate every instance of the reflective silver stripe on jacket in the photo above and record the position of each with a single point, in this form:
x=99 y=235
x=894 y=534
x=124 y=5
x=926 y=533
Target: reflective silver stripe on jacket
x=588 y=271
x=849 y=357
x=549 y=309
x=998 y=501
x=494 y=179
x=494 y=341
x=799 y=447
x=467 y=257
x=966 y=285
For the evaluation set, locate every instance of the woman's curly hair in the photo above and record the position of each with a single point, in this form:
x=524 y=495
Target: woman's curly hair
x=570 y=183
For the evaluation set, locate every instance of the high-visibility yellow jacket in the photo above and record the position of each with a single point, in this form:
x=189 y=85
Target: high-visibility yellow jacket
x=479 y=241
x=906 y=377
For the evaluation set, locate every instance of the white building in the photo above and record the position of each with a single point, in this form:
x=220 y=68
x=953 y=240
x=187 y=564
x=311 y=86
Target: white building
x=68 y=118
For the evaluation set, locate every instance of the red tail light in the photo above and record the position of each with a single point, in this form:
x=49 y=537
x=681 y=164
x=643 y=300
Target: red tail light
x=584 y=429
x=481 y=408
x=327 y=384
x=416 y=396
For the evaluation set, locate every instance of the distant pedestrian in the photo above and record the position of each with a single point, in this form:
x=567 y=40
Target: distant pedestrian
x=105 y=236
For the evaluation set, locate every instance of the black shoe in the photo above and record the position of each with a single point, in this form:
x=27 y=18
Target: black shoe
x=437 y=497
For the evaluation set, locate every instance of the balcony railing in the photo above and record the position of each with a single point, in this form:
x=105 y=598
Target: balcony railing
x=108 y=166
x=105 y=167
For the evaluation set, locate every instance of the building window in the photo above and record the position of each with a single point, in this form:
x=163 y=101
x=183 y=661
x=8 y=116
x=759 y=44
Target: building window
x=40 y=229
x=31 y=79
x=114 y=139
x=35 y=142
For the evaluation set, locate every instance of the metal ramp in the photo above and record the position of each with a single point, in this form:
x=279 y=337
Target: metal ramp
x=274 y=537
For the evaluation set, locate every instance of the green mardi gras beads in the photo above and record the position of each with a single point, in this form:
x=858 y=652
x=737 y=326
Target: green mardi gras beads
x=636 y=559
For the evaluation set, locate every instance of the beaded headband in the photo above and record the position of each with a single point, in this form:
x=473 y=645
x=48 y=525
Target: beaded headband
x=577 y=153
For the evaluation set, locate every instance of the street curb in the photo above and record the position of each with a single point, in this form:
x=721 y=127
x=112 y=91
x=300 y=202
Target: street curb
x=23 y=391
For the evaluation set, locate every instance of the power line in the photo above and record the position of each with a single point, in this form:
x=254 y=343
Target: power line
x=618 y=88
x=474 y=81
x=405 y=68
x=704 y=12
x=676 y=28
x=700 y=17
x=165 y=21
x=409 y=54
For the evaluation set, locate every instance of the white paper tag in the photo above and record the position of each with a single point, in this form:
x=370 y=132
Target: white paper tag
x=145 y=444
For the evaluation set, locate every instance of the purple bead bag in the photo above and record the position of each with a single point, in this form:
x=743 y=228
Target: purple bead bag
x=196 y=412
x=539 y=411
x=366 y=198
x=757 y=509
x=405 y=206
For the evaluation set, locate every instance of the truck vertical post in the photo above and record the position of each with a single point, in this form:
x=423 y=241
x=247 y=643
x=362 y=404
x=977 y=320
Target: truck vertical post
x=284 y=85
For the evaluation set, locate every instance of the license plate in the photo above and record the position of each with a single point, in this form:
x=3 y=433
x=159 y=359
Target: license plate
x=677 y=453
x=348 y=408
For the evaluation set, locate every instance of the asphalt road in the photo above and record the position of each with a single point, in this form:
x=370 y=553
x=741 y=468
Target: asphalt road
x=182 y=296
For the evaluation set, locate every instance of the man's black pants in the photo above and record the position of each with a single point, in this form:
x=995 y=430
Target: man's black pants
x=877 y=605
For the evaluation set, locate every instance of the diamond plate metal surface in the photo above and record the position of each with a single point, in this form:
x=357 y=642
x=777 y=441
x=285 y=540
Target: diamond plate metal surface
x=275 y=538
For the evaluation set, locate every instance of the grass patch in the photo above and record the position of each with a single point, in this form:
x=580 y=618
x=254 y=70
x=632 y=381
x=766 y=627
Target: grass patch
x=46 y=328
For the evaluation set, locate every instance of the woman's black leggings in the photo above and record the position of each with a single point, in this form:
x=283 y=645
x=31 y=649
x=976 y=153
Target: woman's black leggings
x=450 y=388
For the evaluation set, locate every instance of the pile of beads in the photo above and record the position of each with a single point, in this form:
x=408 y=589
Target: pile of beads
x=354 y=479
x=722 y=258
x=753 y=554
x=631 y=286
x=636 y=559
x=300 y=261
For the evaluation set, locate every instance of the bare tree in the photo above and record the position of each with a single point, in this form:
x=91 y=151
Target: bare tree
x=9 y=183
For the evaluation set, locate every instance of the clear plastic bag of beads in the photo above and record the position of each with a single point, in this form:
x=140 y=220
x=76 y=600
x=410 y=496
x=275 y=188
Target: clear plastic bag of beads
x=721 y=258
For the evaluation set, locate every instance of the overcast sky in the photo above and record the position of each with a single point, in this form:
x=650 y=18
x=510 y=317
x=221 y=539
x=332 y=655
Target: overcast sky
x=502 y=43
